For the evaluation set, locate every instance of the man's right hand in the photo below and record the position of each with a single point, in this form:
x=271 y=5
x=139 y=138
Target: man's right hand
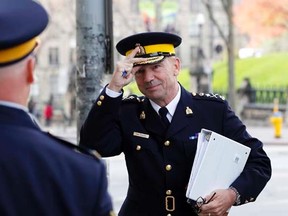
x=120 y=79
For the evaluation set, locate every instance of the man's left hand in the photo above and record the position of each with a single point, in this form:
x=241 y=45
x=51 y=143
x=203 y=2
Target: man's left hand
x=220 y=203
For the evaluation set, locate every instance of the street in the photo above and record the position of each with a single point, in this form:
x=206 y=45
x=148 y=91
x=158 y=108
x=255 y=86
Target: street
x=272 y=201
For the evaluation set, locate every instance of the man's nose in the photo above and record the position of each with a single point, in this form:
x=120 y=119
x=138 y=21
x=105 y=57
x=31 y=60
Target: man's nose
x=148 y=75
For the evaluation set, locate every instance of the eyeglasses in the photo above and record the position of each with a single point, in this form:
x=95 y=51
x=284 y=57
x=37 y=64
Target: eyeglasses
x=200 y=201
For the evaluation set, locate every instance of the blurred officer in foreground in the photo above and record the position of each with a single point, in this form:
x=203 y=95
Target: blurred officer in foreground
x=40 y=174
x=160 y=151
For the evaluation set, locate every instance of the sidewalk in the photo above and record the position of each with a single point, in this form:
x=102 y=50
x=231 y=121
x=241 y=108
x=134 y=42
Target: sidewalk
x=263 y=133
x=266 y=134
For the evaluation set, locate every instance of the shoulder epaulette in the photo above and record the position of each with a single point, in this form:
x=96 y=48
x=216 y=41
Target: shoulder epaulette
x=133 y=99
x=208 y=96
x=77 y=148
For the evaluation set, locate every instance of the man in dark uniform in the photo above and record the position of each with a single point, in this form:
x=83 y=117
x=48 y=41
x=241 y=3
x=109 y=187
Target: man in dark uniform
x=160 y=148
x=40 y=174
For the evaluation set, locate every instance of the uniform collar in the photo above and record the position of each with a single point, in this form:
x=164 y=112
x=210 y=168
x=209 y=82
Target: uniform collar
x=13 y=105
x=171 y=106
x=18 y=109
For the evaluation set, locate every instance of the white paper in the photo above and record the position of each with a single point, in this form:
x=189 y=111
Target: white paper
x=218 y=162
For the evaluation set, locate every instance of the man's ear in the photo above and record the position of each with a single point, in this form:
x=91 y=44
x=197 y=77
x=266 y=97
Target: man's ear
x=30 y=70
x=177 y=65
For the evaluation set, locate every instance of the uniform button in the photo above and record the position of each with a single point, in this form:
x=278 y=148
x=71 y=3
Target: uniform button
x=99 y=103
x=138 y=147
x=101 y=97
x=168 y=167
x=168 y=192
x=167 y=143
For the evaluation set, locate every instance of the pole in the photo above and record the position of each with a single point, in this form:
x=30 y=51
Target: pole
x=91 y=55
x=158 y=15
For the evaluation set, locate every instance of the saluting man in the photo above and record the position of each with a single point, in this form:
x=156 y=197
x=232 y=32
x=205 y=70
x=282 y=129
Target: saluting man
x=39 y=174
x=157 y=132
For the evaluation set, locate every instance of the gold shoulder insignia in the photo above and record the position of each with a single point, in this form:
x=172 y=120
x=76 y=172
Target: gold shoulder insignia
x=77 y=148
x=95 y=154
x=209 y=95
x=133 y=99
x=212 y=95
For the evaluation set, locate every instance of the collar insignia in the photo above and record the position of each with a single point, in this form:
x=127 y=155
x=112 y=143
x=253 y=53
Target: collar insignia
x=142 y=115
x=189 y=111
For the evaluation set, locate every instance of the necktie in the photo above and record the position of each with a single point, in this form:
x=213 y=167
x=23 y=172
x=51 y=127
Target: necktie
x=163 y=114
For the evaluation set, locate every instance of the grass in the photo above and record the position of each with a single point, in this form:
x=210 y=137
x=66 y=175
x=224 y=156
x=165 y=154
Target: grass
x=266 y=71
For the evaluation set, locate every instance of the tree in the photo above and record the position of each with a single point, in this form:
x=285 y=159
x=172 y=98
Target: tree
x=228 y=38
x=261 y=19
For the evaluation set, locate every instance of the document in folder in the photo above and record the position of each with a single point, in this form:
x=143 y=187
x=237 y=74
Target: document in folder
x=218 y=162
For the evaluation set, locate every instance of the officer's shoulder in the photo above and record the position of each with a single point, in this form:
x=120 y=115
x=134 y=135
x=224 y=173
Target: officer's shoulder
x=133 y=99
x=76 y=148
x=208 y=96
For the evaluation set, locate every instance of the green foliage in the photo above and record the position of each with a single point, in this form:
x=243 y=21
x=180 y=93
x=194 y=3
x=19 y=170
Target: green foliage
x=268 y=70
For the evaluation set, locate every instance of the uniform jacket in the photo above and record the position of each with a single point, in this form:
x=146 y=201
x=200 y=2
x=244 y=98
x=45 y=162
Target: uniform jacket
x=158 y=162
x=41 y=175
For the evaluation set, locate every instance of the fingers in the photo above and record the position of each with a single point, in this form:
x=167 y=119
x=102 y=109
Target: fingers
x=127 y=64
x=122 y=75
x=133 y=53
x=131 y=57
x=218 y=205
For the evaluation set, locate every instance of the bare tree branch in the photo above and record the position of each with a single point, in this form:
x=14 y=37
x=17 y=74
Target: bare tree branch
x=212 y=18
x=225 y=5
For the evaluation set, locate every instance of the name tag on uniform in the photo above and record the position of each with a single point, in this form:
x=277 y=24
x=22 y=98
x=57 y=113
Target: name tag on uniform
x=137 y=134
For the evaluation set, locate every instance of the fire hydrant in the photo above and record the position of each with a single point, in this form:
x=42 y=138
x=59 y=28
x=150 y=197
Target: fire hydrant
x=277 y=119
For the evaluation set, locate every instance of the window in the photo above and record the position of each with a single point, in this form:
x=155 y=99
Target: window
x=53 y=56
x=193 y=52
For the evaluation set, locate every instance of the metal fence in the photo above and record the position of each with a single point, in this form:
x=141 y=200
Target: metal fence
x=264 y=95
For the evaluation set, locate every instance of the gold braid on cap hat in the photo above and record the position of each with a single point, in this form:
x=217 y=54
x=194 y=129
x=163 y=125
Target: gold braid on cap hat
x=153 y=50
x=17 y=52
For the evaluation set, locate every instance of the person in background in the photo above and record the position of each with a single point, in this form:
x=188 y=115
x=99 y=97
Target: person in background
x=246 y=94
x=40 y=174
x=48 y=114
x=158 y=132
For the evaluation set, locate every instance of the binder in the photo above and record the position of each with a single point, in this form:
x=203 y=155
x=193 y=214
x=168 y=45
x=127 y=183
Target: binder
x=218 y=162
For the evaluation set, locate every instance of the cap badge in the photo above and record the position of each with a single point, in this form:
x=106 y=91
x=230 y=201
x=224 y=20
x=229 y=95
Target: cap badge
x=141 y=49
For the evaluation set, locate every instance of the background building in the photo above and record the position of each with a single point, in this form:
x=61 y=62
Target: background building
x=189 y=18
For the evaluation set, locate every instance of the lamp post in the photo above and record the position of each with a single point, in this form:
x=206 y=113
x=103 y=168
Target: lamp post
x=200 y=21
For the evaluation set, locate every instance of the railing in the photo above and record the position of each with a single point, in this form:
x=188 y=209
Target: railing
x=261 y=103
x=267 y=95
x=264 y=95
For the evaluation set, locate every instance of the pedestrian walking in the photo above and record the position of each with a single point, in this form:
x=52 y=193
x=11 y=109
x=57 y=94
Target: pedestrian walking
x=40 y=174
x=158 y=132
x=48 y=114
